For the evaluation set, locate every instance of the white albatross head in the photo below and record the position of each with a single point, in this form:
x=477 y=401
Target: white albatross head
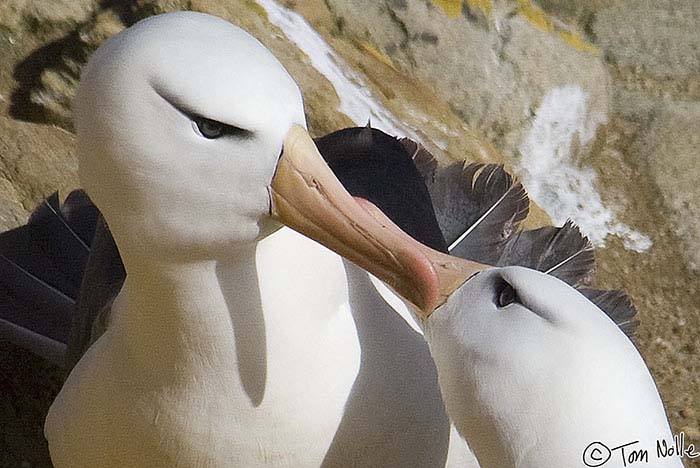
x=180 y=120
x=532 y=372
x=191 y=142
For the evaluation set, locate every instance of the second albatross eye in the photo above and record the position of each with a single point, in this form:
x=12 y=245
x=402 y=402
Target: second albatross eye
x=210 y=129
x=505 y=294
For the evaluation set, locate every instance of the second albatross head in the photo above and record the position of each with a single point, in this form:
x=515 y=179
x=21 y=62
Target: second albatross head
x=192 y=142
x=533 y=373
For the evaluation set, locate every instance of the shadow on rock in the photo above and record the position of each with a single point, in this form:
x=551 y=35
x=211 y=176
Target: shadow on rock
x=48 y=77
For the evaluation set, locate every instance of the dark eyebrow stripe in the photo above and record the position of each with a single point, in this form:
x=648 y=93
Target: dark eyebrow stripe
x=185 y=110
x=174 y=101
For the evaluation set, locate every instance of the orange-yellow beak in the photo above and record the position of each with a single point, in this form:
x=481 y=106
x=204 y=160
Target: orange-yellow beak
x=307 y=197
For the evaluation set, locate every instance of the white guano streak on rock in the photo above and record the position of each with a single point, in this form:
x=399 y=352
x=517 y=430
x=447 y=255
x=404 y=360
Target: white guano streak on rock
x=555 y=182
x=356 y=100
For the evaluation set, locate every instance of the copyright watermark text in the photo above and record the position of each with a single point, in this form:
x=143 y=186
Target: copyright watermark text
x=598 y=454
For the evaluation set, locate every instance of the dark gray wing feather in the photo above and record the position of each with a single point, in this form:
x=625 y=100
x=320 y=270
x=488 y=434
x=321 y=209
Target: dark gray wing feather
x=103 y=279
x=41 y=271
x=560 y=251
x=41 y=268
x=496 y=214
x=425 y=162
x=33 y=313
x=479 y=207
x=60 y=243
x=617 y=305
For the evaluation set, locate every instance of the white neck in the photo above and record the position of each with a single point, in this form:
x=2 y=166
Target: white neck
x=234 y=314
x=216 y=360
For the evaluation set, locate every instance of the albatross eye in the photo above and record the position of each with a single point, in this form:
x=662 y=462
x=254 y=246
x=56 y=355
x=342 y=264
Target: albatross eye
x=210 y=129
x=505 y=294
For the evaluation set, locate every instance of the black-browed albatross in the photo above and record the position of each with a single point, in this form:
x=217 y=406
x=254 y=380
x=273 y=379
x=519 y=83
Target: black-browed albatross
x=234 y=342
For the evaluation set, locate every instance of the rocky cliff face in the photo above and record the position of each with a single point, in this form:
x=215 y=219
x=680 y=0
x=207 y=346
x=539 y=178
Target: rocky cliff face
x=593 y=104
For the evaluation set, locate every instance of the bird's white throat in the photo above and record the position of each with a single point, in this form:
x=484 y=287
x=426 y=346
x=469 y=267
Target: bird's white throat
x=215 y=349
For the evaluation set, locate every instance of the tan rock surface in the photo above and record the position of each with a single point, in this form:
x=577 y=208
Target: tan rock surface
x=492 y=72
x=670 y=148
